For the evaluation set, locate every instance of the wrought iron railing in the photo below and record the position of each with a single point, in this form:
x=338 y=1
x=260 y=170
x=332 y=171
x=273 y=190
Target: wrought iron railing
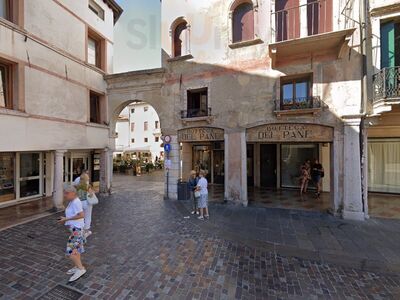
x=386 y=84
x=196 y=113
x=298 y=103
x=316 y=17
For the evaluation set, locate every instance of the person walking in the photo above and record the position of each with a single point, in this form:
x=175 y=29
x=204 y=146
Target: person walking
x=202 y=187
x=74 y=221
x=83 y=189
x=317 y=173
x=192 y=183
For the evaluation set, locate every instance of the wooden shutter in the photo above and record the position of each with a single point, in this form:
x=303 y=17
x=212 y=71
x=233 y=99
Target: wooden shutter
x=387 y=45
x=178 y=39
x=287 y=19
x=243 y=23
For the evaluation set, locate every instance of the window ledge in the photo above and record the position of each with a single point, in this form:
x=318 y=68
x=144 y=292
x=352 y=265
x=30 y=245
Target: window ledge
x=180 y=58
x=208 y=119
x=297 y=112
x=12 y=112
x=97 y=125
x=242 y=44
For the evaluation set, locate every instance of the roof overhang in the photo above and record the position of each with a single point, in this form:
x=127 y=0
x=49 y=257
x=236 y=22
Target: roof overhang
x=116 y=9
x=331 y=42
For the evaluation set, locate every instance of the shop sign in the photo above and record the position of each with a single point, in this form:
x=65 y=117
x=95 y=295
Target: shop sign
x=290 y=133
x=200 y=134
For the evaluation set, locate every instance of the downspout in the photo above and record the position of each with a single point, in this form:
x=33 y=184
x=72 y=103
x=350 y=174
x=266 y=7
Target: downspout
x=364 y=41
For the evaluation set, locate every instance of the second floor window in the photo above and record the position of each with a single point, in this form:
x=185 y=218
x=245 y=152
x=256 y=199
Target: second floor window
x=243 y=23
x=146 y=108
x=95 y=116
x=132 y=111
x=132 y=127
x=133 y=141
x=390 y=44
x=95 y=50
x=156 y=139
x=146 y=140
x=296 y=93
x=6 y=84
x=197 y=103
x=5 y=9
x=146 y=126
x=156 y=124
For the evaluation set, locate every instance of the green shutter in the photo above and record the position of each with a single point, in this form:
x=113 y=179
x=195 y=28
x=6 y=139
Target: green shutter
x=387 y=45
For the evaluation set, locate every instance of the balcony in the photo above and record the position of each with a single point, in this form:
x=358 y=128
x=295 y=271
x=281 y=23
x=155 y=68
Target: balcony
x=196 y=114
x=304 y=31
x=298 y=106
x=386 y=89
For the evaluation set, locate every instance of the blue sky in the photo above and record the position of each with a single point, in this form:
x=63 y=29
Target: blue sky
x=137 y=43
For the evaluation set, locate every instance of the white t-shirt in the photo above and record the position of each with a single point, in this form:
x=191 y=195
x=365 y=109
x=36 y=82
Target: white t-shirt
x=203 y=186
x=74 y=207
x=77 y=181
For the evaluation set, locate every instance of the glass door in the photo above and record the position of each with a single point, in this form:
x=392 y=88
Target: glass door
x=202 y=160
x=7 y=177
x=292 y=157
x=30 y=178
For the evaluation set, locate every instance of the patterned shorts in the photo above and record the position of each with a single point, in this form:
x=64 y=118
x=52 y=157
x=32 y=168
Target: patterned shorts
x=75 y=241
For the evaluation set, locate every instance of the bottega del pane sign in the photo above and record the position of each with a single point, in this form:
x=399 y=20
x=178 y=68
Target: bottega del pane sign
x=290 y=133
x=200 y=134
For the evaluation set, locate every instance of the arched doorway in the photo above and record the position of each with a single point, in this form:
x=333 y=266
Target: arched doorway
x=138 y=145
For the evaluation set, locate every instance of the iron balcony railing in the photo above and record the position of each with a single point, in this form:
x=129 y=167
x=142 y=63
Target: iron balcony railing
x=303 y=20
x=386 y=84
x=196 y=113
x=298 y=103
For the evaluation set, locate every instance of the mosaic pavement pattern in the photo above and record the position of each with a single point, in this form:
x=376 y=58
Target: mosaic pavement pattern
x=143 y=248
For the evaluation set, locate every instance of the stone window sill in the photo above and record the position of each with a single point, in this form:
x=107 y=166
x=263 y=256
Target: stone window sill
x=12 y=112
x=255 y=41
x=297 y=112
x=208 y=119
x=180 y=58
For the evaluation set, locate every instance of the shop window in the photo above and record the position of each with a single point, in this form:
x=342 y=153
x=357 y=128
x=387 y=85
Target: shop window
x=296 y=93
x=132 y=127
x=6 y=85
x=7 y=177
x=146 y=126
x=156 y=124
x=29 y=181
x=180 y=44
x=96 y=9
x=146 y=140
x=197 y=103
x=243 y=23
x=96 y=50
x=95 y=116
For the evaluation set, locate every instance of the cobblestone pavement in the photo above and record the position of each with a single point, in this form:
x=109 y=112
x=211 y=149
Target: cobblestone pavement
x=143 y=248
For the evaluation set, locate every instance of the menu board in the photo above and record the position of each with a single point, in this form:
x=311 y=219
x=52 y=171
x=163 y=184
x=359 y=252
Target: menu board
x=95 y=167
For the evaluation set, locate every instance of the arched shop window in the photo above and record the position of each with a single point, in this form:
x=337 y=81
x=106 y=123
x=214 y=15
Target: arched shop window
x=243 y=23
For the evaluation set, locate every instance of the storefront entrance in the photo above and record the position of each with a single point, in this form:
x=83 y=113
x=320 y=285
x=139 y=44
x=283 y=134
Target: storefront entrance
x=277 y=152
x=210 y=158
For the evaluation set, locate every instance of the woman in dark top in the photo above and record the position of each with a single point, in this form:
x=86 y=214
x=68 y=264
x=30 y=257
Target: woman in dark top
x=193 y=180
x=317 y=173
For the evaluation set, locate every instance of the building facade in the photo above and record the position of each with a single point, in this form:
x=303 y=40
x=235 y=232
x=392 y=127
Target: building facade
x=383 y=122
x=250 y=89
x=139 y=132
x=53 y=103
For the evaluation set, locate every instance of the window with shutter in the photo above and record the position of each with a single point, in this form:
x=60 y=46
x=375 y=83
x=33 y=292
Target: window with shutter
x=243 y=23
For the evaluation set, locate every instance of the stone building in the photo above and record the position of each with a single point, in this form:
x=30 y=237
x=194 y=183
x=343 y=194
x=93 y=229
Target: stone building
x=250 y=89
x=383 y=122
x=53 y=107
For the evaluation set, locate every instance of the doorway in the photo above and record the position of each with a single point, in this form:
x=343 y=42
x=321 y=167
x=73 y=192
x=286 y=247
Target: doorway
x=268 y=166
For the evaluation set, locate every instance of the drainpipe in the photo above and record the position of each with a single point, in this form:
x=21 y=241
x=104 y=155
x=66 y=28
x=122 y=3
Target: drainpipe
x=366 y=55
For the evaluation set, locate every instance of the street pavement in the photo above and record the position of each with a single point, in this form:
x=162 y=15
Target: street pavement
x=143 y=247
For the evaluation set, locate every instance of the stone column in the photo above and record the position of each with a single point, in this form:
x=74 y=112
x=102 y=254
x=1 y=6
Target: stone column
x=105 y=170
x=58 y=179
x=236 y=167
x=171 y=188
x=352 y=194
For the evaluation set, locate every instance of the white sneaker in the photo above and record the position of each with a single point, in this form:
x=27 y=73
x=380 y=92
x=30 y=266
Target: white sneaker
x=87 y=233
x=78 y=274
x=193 y=212
x=72 y=271
x=200 y=218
